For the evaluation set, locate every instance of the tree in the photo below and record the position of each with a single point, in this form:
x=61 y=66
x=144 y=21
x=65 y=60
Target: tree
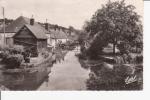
x=71 y=28
x=116 y=22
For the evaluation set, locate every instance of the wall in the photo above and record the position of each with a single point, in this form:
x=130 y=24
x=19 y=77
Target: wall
x=7 y=35
x=49 y=41
x=41 y=44
x=26 y=39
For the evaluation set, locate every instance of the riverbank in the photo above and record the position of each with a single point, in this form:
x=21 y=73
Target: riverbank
x=26 y=78
x=109 y=76
x=31 y=77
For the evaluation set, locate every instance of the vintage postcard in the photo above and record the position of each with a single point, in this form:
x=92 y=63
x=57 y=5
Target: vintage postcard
x=57 y=45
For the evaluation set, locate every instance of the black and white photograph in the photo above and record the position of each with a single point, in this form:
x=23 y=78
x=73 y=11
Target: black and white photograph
x=71 y=45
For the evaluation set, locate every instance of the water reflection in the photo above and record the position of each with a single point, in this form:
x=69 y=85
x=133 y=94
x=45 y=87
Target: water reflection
x=104 y=77
x=66 y=75
x=24 y=81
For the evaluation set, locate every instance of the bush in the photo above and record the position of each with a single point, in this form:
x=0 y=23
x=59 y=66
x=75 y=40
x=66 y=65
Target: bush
x=4 y=47
x=11 y=55
x=15 y=49
x=111 y=79
x=12 y=61
x=105 y=79
x=44 y=53
x=81 y=56
x=139 y=59
x=124 y=47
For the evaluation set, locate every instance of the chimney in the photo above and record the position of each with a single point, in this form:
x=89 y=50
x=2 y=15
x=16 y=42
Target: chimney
x=46 y=25
x=32 y=21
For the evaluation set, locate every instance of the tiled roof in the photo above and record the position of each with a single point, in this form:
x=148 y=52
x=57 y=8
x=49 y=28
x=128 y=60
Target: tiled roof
x=18 y=24
x=38 y=31
x=58 y=34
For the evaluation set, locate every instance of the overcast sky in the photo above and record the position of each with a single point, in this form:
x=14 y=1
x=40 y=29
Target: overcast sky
x=61 y=12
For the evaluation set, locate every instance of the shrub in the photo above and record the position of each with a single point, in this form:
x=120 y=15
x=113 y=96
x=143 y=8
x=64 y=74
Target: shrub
x=139 y=59
x=81 y=56
x=16 y=49
x=4 y=47
x=111 y=79
x=44 y=53
x=12 y=60
x=12 y=49
x=11 y=55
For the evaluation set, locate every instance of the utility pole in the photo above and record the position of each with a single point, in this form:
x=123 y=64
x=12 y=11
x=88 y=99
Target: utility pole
x=4 y=24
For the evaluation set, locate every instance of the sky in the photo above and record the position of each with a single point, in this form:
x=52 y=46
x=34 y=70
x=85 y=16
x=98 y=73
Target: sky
x=62 y=12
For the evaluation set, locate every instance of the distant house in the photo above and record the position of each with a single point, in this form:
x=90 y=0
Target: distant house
x=58 y=36
x=32 y=37
x=14 y=27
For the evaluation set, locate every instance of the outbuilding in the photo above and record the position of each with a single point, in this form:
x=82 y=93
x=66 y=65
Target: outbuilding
x=32 y=37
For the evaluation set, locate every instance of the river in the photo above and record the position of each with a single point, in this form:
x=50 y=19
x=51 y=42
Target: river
x=66 y=75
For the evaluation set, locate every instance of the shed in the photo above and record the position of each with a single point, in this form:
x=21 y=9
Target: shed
x=32 y=37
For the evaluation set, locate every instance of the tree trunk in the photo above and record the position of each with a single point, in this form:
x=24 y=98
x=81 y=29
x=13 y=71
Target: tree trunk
x=114 y=47
x=136 y=48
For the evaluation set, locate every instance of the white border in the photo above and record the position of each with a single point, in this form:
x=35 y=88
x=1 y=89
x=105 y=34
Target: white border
x=116 y=95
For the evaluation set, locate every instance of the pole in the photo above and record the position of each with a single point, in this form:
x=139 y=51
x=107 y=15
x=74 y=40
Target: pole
x=4 y=24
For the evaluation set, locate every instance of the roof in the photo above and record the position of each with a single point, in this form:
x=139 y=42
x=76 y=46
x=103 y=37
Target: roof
x=17 y=24
x=37 y=31
x=58 y=34
x=73 y=38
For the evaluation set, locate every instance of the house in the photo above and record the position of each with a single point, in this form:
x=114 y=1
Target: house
x=14 y=27
x=58 y=36
x=55 y=35
x=32 y=37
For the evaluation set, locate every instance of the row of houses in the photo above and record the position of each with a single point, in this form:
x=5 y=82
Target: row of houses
x=25 y=31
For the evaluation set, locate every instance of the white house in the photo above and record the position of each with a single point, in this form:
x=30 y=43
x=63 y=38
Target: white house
x=57 y=36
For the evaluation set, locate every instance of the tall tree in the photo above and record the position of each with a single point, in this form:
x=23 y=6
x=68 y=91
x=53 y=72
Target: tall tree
x=115 y=21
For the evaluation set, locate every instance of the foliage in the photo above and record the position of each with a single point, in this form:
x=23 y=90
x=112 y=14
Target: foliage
x=124 y=47
x=111 y=79
x=71 y=28
x=12 y=60
x=116 y=22
x=17 y=48
x=44 y=53
x=12 y=49
x=12 y=55
x=3 y=47
x=96 y=48
x=81 y=56
x=82 y=37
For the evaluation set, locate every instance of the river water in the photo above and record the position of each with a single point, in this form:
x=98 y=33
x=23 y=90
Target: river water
x=66 y=75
